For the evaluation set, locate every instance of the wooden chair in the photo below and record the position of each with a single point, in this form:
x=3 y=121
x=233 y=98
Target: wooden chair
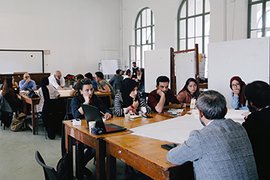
x=49 y=172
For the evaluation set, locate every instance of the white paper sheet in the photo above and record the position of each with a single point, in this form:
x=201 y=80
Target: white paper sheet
x=177 y=129
x=174 y=130
x=236 y=115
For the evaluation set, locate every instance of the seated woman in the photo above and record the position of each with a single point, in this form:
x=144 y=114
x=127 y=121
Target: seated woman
x=85 y=95
x=128 y=100
x=189 y=91
x=238 y=97
x=11 y=95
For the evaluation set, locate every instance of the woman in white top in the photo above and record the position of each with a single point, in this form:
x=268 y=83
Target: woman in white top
x=53 y=93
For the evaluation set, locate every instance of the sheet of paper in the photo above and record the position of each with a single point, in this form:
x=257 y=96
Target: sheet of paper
x=177 y=129
x=236 y=115
x=174 y=130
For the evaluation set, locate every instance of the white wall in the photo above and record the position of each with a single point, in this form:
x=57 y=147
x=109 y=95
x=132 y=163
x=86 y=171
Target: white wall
x=78 y=33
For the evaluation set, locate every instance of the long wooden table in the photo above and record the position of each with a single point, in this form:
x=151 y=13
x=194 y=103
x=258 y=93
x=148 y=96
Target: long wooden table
x=82 y=134
x=145 y=155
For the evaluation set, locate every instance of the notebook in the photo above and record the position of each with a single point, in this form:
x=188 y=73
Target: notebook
x=92 y=113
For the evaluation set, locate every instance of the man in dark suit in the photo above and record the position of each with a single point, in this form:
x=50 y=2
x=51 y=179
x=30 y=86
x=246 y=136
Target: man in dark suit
x=257 y=124
x=220 y=150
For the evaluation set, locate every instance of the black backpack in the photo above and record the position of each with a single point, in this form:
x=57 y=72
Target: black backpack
x=62 y=167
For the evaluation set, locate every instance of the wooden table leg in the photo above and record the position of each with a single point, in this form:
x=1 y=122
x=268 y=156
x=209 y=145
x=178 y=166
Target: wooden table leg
x=111 y=167
x=79 y=160
x=33 y=119
x=69 y=146
x=100 y=159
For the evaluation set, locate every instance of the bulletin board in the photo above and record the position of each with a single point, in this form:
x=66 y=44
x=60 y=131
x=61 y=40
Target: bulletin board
x=248 y=58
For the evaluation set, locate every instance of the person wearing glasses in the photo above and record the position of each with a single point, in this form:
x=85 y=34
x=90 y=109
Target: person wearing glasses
x=162 y=96
x=85 y=95
x=238 y=98
x=27 y=83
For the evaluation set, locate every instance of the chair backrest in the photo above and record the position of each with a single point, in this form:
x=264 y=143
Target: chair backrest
x=49 y=172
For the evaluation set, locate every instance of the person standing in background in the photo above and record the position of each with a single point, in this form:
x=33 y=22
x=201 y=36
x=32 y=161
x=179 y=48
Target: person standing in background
x=134 y=70
x=116 y=80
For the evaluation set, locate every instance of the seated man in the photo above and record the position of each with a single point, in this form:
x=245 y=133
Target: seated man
x=221 y=149
x=162 y=96
x=27 y=83
x=57 y=80
x=103 y=85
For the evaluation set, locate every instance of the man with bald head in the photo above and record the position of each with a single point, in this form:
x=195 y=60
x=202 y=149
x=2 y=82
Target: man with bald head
x=27 y=83
x=57 y=80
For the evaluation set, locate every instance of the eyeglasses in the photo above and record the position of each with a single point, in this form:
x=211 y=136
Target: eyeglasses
x=235 y=85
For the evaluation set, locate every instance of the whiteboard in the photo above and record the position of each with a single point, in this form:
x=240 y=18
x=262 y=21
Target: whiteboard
x=20 y=61
x=156 y=63
x=247 y=58
x=109 y=66
x=185 y=67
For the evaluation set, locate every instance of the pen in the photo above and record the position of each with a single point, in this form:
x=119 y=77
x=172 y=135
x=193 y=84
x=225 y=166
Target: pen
x=103 y=114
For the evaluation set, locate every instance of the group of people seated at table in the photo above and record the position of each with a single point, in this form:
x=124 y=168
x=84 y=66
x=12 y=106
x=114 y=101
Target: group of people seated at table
x=221 y=144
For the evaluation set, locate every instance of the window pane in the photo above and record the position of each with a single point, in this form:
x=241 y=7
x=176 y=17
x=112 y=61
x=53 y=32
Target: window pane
x=182 y=29
x=138 y=53
x=144 y=36
x=138 y=37
x=207 y=6
x=191 y=43
x=138 y=24
x=198 y=26
x=267 y=20
x=148 y=35
x=199 y=6
x=267 y=32
x=144 y=18
x=256 y=34
x=191 y=27
x=191 y=8
x=148 y=17
x=153 y=35
x=182 y=44
x=255 y=0
x=256 y=16
x=207 y=25
x=183 y=10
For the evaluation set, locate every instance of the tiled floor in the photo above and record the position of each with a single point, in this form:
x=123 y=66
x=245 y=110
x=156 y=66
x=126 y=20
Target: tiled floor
x=17 y=156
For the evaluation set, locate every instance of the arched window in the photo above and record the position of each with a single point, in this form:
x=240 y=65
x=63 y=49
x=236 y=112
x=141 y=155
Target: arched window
x=144 y=34
x=193 y=23
x=258 y=18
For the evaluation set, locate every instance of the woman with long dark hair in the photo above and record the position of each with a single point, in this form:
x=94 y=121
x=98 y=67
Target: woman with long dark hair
x=237 y=86
x=128 y=99
x=189 y=91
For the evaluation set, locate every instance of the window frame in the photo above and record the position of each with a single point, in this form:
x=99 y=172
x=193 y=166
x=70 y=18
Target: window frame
x=139 y=29
x=263 y=17
x=203 y=14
